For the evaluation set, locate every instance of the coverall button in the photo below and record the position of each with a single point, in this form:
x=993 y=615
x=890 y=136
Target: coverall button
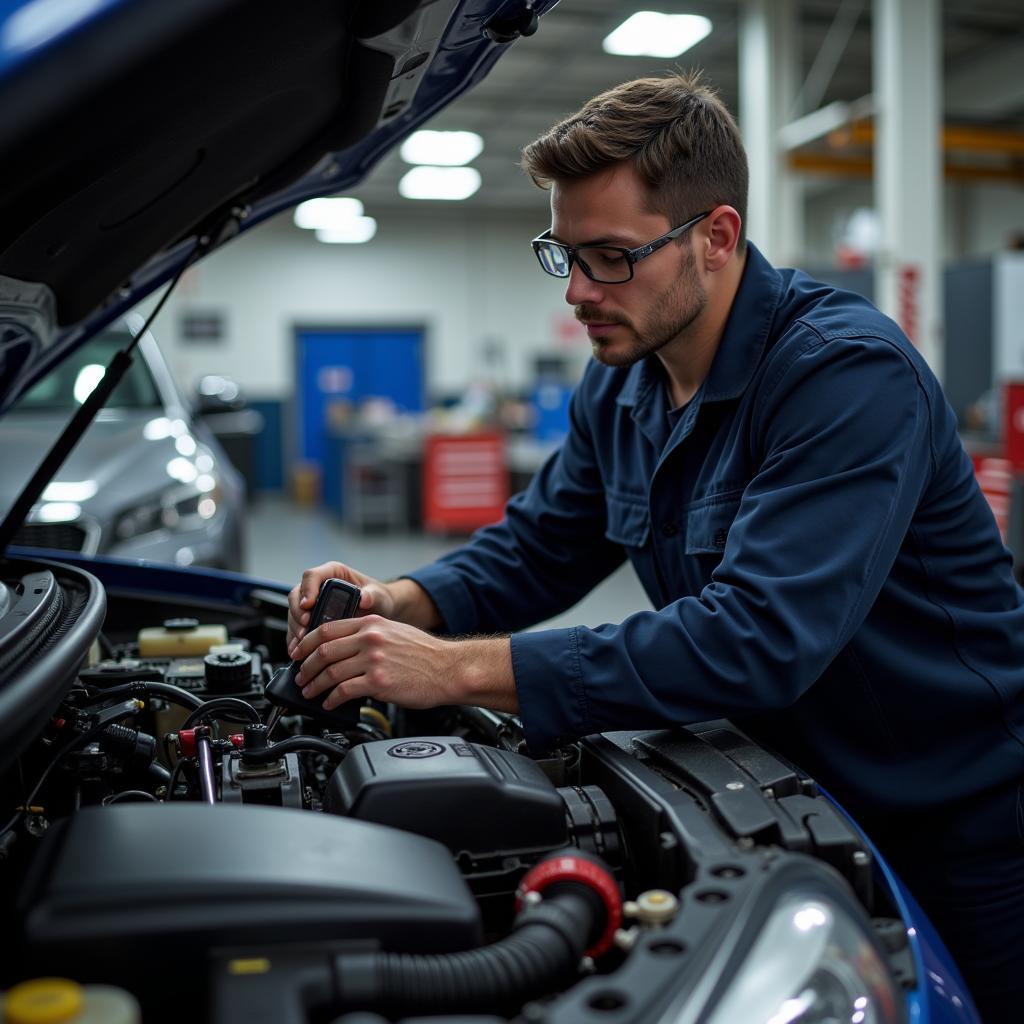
x=669 y=529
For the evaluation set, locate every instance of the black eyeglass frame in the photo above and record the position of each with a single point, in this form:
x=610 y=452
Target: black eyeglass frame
x=632 y=256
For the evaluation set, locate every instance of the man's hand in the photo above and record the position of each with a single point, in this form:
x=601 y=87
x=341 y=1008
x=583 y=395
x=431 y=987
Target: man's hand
x=375 y=597
x=404 y=600
x=394 y=662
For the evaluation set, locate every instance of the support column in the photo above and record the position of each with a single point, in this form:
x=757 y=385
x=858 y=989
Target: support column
x=769 y=69
x=907 y=49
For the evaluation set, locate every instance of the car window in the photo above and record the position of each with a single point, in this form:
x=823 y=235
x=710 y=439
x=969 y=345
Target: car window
x=69 y=384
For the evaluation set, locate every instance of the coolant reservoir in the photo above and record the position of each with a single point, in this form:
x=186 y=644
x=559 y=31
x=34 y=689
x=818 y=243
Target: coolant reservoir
x=61 y=1001
x=179 y=638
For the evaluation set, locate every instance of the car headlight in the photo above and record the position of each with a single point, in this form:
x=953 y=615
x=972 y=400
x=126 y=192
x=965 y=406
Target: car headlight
x=812 y=963
x=188 y=507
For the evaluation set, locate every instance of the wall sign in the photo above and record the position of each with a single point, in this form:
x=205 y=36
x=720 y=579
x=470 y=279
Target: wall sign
x=203 y=328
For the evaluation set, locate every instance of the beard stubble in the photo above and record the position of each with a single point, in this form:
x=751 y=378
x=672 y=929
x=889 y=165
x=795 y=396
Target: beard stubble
x=669 y=315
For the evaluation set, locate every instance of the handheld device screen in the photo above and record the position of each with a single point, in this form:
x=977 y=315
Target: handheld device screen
x=336 y=600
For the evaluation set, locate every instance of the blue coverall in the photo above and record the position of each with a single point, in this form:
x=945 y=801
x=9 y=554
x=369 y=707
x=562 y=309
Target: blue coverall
x=825 y=572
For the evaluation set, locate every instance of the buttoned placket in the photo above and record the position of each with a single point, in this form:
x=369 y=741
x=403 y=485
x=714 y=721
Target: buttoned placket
x=738 y=354
x=649 y=413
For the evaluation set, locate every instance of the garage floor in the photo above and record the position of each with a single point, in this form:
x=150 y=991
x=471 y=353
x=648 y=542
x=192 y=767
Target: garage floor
x=284 y=539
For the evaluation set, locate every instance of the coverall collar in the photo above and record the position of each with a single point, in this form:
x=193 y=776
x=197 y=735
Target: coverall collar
x=739 y=351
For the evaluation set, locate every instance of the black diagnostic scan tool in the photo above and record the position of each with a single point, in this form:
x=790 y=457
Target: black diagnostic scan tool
x=336 y=600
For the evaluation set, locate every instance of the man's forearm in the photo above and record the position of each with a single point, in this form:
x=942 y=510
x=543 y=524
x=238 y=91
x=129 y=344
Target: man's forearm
x=482 y=670
x=413 y=605
x=484 y=675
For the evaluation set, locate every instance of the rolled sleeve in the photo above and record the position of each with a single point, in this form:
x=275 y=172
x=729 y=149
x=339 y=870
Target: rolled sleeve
x=549 y=687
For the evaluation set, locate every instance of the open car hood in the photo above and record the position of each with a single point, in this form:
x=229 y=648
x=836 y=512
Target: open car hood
x=135 y=130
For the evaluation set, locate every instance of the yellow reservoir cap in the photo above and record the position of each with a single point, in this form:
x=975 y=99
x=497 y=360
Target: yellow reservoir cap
x=43 y=1001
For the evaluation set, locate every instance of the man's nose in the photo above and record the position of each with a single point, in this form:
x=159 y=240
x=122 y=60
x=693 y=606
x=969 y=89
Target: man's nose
x=581 y=289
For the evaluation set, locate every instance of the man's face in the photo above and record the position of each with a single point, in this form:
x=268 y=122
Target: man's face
x=626 y=322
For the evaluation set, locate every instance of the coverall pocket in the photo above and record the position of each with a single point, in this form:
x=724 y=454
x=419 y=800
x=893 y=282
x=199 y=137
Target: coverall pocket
x=707 y=525
x=628 y=521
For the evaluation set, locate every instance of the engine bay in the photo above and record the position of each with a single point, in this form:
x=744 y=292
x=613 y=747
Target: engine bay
x=167 y=835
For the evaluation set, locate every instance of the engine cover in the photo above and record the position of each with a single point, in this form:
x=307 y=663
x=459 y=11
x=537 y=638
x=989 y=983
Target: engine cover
x=474 y=799
x=137 y=890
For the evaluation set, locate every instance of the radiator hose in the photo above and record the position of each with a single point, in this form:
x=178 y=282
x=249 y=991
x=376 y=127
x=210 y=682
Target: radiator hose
x=576 y=912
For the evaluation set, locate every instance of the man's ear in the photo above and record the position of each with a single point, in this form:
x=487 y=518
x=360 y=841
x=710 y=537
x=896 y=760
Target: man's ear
x=721 y=235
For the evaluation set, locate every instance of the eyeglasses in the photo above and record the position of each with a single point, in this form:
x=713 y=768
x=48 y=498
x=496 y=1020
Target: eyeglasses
x=606 y=264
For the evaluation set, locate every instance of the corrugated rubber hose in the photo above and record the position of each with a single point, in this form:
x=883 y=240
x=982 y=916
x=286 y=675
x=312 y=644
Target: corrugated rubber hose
x=543 y=952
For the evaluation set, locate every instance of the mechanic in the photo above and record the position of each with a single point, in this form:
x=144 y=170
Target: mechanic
x=781 y=468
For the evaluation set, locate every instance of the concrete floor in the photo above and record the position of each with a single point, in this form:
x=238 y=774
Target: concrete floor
x=284 y=539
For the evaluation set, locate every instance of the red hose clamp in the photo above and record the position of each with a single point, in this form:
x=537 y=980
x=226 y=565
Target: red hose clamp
x=569 y=868
x=187 y=742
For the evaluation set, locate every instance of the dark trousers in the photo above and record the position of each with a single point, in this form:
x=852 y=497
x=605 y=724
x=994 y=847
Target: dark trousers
x=973 y=892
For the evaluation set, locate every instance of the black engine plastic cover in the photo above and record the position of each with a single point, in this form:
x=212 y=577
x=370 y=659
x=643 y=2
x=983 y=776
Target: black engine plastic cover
x=474 y=799
x=139 y=888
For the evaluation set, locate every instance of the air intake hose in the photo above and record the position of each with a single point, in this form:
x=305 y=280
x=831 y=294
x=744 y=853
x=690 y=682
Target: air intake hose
x=577 y=914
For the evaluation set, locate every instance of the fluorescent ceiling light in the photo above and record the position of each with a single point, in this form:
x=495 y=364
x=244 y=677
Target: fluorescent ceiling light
x=651 y=34
x=359 y=229
x=445 y=149
x=327 y=212
x=439 y=183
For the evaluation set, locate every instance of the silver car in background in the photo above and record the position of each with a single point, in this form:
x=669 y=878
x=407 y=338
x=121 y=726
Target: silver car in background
x=147 y=480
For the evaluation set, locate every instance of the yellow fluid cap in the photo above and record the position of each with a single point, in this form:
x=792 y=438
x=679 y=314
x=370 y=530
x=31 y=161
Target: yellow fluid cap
x=43 y=1001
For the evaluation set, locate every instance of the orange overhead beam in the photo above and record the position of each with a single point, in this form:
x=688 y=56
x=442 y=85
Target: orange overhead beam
x=863 y=167
x=828 y=163
x=961 y=172
x=982 y=140
x=962 y=137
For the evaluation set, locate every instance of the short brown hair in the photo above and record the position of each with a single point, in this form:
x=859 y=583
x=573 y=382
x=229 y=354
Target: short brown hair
x=679 y=135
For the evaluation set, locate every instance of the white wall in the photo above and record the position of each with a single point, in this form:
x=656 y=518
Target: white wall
x=473 y=283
